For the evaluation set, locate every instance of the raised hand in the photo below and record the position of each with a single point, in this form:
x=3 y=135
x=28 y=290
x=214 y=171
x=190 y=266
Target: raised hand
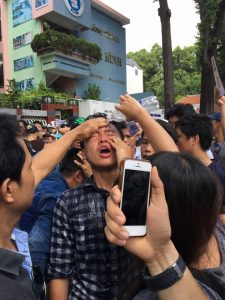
x=123 y=150
x=129 y=107
x=158 y=234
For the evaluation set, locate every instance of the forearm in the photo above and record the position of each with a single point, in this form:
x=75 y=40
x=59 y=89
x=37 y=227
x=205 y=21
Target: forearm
x=58 y=289
x=158 y=137
x=187 y=286
x=47 y=159
x=222 y=118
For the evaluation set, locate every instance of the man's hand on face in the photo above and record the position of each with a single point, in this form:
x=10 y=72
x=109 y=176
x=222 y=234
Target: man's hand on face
x=123 y=150
x=85 y=130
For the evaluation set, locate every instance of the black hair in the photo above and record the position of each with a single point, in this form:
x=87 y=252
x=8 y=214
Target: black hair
x=194 y=197
x=38 y=122
x=96 y=115
x=169 y=129
x=23 y=121
x=195 y=124
x=117 y=126
x=12 y=155
x=67 y=165
x=180 y=110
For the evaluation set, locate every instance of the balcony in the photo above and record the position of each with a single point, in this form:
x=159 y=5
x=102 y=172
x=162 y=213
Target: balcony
x=65 y=55
x=58 y=63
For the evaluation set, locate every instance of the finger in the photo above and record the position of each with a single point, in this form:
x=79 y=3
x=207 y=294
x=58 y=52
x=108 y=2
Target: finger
x=78 y=163
x=118 y=107
x=122 y=98
x=157 y=189
x=113 y=239
x=115 y=195
x=100 y=122
x=80 y=155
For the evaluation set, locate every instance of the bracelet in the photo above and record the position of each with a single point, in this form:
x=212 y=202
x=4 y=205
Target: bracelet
x=167 y=278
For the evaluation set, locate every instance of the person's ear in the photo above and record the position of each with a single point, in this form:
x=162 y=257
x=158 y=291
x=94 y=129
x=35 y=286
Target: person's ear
x=195 y=140
x=6 y=190
x=78 y=177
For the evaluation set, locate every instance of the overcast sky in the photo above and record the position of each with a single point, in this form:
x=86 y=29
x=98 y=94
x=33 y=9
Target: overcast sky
x=145 y=29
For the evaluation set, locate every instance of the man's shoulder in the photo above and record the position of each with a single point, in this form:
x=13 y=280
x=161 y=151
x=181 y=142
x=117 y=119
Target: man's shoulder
x=82 y=191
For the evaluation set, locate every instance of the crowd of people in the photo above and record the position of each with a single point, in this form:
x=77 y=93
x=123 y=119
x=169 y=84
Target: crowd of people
x=62 y=233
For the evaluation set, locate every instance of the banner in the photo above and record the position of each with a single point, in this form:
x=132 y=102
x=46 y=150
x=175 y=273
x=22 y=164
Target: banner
x=219 y=84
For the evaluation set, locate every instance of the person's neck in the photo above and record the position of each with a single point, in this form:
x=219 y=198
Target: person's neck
x=105 y=179
x=202 y=156
x=211 y=258
x=7 y=224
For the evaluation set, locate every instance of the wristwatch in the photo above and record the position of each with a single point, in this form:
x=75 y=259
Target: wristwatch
x=167 y=278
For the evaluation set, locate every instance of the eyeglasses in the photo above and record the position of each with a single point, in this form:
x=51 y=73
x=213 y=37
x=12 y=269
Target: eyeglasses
x=39 y=281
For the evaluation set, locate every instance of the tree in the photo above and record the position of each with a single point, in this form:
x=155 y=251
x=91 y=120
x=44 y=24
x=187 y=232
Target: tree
x=165 y=14
x=212 y=14
x=93 y=92
x=186 y=71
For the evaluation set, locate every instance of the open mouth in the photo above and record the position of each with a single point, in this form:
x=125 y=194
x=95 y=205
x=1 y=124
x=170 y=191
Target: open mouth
x=104 y=152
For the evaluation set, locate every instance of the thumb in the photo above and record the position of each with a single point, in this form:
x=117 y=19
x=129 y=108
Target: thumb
x=157 y=189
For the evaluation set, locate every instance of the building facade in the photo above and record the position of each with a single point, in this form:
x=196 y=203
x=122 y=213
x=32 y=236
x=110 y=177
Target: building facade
x=135 y=83
x=90 y=20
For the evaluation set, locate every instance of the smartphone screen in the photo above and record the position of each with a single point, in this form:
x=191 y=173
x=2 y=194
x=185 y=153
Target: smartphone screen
x=132 y=127
x=135 y=196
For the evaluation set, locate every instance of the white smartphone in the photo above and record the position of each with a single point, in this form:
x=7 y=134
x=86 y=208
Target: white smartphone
x=135 y=188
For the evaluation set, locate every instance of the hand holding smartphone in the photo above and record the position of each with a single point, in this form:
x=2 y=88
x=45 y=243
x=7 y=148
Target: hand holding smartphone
x=135 y=187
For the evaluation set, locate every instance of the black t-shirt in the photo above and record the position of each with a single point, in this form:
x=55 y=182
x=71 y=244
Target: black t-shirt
x=15 y=282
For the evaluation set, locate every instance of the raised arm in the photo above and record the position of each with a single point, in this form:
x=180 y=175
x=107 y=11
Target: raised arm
x=157 y=136
x=221 y=104
x=47 y=159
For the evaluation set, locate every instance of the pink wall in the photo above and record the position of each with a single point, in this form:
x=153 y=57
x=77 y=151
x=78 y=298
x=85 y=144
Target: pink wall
x=5 y=42
x=43 y=10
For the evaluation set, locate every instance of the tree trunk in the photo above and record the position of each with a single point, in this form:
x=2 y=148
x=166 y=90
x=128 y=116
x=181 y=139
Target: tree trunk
x=211 y=39
x=165 y=14
x=207 y=89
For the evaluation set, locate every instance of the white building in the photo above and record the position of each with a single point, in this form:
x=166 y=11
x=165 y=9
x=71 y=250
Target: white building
x=134 y=77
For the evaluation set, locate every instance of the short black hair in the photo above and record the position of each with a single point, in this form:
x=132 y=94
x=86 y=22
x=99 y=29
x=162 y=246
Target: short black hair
x=195 y=124
x=67 y=165
x=169 y=129
x=180 y=110
x=12 y=155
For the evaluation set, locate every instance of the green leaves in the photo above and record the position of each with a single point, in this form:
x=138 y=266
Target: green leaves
x=51 y=40
x=186 y=70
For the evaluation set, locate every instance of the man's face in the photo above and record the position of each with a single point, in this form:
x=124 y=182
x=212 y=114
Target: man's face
x=24 y=190
x=39 y=127
x=98 y=149
x=184 y=144
x=146 y=148
x=173 y=120
x=128 y=138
